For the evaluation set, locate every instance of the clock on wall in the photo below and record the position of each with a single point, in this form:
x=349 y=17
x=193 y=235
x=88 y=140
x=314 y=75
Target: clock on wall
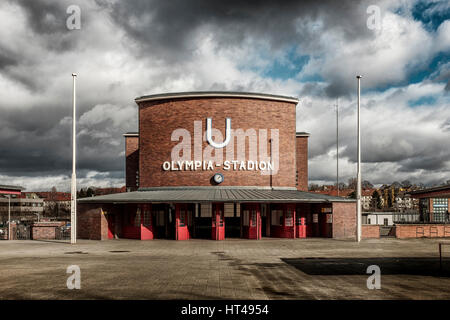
x=218 y=178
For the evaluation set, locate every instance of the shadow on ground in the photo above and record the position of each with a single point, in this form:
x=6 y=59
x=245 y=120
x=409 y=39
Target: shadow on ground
x=356 y=266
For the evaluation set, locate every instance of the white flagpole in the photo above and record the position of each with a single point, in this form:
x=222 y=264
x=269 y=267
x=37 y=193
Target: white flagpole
x=337 y=146
x=9 y=217
x=358 y=177
x=73 y=198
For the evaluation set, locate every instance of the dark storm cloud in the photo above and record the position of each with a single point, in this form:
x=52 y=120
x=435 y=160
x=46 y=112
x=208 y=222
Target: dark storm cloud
x=36 y=142
x=6 y=59
x=47 y=19
x=45 y=16
x=430 y=163
x=169 y=27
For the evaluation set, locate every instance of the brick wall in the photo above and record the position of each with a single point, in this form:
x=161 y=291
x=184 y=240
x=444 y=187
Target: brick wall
x=91 y=222
x=158 y=119
x=370 y=231
x=45 y=230
x=301 y=146
x=344 y=220
x=404 y=231
x=131 y=162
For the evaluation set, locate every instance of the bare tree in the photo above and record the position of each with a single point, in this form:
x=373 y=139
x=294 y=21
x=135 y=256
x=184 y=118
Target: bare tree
x=352 y=183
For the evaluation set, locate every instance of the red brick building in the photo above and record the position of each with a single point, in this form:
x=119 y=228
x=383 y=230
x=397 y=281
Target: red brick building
x=434 y=204
x=216 y=165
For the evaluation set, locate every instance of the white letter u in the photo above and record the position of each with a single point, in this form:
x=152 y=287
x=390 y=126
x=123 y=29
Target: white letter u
x=227 y=133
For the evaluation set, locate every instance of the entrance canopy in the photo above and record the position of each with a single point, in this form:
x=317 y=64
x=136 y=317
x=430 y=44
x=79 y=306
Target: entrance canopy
x=186 y=195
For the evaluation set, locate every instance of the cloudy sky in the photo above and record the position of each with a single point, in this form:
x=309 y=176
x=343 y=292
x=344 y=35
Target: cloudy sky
x=309 y=49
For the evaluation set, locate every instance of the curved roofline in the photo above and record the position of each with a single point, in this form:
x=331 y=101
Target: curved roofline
x=216 y=94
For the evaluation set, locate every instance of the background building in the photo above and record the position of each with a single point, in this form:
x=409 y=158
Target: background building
x=433 y=203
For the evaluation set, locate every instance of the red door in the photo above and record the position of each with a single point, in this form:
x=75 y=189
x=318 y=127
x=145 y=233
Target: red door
x=110 y=219
x=218 y=224
x=181 y=222
x=254 y=221
x=301 y=226
x=147 y=222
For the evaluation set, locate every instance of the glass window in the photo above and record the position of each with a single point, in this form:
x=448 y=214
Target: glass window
x=220 y=218
x=289 y=217
x=440 y=208
x=182 y=218
x=245 y=217
x=137 y=218
x=253 y=220
x=277 y=217
x=147 y=218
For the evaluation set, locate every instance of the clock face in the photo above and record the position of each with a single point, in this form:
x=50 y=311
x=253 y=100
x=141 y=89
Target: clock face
x=218 y=178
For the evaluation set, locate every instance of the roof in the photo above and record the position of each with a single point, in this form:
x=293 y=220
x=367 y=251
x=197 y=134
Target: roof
x=333 y=192
x=7 y=187
x=54 y=196
x=105 y=191
x=131 y=134
x=11 y=190
x=429 y=190
x=216 y=94
x=215 y=195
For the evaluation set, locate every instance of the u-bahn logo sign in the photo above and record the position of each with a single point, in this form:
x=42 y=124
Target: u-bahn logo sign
x=261 y=153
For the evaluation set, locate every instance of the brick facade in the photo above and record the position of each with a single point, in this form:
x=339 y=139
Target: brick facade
x=163 y=124
x=301 y=150
x=45 y=230
x=344 y=220
x=91 y=221
x=158 y=119
x=404 y=231
x=131 y=162
x=369 y=231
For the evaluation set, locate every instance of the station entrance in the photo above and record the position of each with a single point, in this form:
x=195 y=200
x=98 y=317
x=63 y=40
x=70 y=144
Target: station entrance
x=218 y=221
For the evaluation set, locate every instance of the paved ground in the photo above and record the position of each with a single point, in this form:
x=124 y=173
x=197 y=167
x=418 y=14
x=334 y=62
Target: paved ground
x=231 y=269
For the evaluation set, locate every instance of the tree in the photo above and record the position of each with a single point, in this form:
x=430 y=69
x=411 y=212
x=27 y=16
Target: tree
x=390 y=200
x=396 y=184
x=352 y=182
x=342 y=186
x=82 y=193
x=366 y=184
x=352 y=195
x=406 y=184
x=90 y=192
x=52 y=208
x=376 y=200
